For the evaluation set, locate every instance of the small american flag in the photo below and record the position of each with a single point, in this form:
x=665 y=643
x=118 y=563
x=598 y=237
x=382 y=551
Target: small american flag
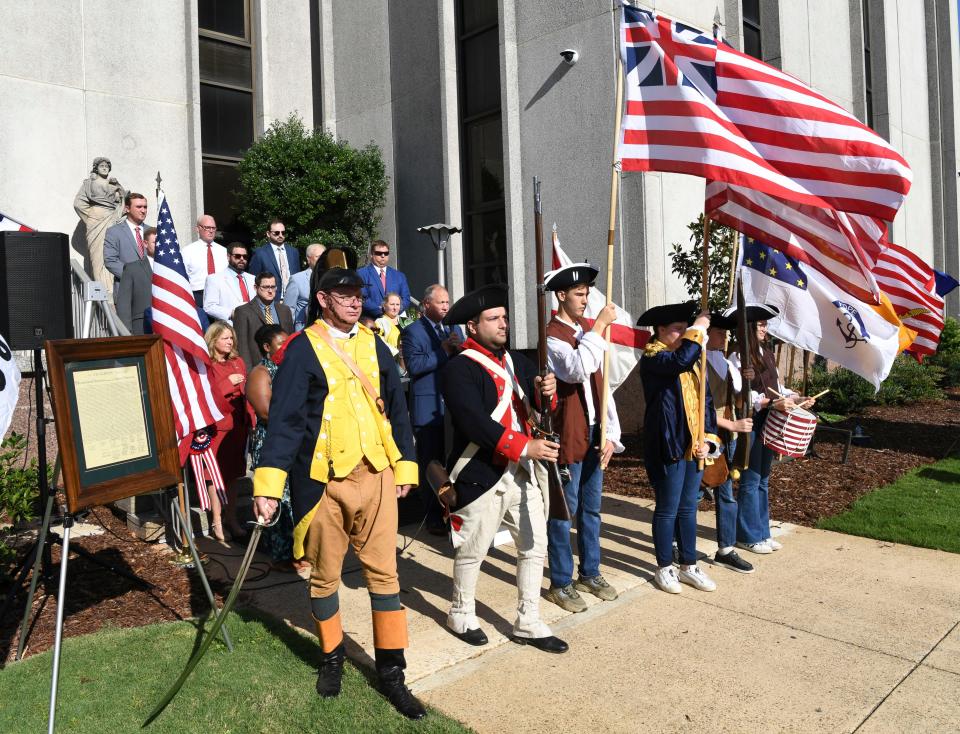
x=910 y=284
x=175 y=319
x=695 y=105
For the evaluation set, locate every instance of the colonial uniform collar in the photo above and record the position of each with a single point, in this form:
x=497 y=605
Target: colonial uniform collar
x=572 y=324
x=497 y=355
x=338 y=334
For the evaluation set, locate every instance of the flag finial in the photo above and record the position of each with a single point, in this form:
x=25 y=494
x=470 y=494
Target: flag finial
x=158 y=183
x=554 y=227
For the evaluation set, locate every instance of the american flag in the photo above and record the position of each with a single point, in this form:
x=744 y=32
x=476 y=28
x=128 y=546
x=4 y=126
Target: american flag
x=695 y=105
x=910 y=284
x=9 y=224
x=175 y=319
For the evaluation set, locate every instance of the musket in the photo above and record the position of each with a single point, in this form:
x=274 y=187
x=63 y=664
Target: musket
x=741 y=456
x=544 y=429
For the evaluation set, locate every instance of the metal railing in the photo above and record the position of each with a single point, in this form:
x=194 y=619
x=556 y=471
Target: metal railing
x=91 y=318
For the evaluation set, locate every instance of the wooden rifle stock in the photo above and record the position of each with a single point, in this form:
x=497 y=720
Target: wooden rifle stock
x=741 y=456
x=558 y=502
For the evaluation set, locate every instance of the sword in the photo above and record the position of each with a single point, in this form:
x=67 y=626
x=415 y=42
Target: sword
x=220 y=618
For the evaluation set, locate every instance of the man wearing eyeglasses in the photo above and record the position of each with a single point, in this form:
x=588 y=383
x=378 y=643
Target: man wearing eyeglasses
x=204 y=257
x=264 y=308
x=379 y=279
x=231 y=287
x=276 y=257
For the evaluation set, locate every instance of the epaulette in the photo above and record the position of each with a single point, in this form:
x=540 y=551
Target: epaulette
x=655 y=346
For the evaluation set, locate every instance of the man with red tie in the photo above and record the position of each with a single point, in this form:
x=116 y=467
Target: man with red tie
x=224 y=291
x=203 y=257
x=123 y=243
x=379 y=279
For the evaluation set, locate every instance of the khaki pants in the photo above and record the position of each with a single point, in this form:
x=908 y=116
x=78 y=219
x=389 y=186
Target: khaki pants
x=361 y=510
x=517 y=502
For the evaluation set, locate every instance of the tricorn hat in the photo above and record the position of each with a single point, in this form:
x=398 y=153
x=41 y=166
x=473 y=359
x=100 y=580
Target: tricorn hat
x=755 y=312
x=569 y=276
x=669 y=314
x=472 y=304
x=339 y=277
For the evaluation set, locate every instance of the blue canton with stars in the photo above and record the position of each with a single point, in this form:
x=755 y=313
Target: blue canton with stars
x=773 y=263
x=168 y=247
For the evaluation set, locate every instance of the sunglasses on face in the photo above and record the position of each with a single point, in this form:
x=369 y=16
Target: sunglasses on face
x=381 y=253
x=279 y=233
x=240 y=257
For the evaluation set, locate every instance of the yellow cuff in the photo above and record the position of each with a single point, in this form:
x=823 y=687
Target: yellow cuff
x=268 y=482
x=695 y=335
x=405 y=472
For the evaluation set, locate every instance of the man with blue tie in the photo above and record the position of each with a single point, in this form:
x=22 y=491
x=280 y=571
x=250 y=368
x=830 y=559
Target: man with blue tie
x=379 y=279
x=276 y=257
x=427 y=345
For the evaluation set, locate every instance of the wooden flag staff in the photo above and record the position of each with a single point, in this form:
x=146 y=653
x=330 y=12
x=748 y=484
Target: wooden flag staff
x=704 y=307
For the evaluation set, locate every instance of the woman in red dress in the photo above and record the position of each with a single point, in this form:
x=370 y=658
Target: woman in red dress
x=228 y=378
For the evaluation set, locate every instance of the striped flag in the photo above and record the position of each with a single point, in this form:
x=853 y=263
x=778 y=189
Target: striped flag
x=910 y=284
x=695 y=105
x=175 y=319
x=9 y=224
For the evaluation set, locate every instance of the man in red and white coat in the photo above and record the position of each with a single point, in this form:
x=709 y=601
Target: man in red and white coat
x=488 y=391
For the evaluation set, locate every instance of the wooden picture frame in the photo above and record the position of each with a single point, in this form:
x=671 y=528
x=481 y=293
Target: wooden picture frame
x=114 y=418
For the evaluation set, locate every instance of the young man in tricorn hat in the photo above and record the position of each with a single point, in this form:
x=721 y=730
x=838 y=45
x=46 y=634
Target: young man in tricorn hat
x=490 y=392
x=575 y=355
x=340 y=431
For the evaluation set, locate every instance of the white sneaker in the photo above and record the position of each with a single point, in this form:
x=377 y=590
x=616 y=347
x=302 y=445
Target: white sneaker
x=761 y=547
x=666 y=579
x=774 y=545
x=694 y=576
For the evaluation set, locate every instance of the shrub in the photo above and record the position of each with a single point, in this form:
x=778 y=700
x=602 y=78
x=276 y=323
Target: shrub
x=947 y=357
x=323 y=189
x=19 y=488
x=908 y=382
x=688 y=263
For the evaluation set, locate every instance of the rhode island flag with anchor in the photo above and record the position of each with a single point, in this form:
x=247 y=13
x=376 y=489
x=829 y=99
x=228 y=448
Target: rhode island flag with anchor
x=818 y=316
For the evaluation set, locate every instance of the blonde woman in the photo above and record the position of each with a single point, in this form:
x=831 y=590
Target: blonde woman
x=228 y=378
x=389 y=325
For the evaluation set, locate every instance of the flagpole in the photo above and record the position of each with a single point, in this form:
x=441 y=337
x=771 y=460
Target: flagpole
x=704 y=307
x=611 y=231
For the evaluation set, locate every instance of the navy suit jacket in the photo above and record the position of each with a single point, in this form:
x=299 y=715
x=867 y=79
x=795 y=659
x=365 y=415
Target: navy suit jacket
x=373 y=292
x=424 y=358
x=264 y=260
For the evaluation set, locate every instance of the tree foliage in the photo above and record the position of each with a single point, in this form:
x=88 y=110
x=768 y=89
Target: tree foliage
x=687 y=262
x=323 y=189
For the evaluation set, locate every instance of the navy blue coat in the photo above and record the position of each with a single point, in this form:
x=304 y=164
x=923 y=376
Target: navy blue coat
x=666 y=436
x=424 y=358
x=373 y=293
x=264 y=260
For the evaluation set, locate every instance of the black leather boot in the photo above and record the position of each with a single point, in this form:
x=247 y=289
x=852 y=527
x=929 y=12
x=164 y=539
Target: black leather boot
x=331 y=672
x=390 y=665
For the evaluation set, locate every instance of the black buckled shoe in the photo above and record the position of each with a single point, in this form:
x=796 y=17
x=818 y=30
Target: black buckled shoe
x=475 y=637
x=330 y=674
x=390 y=665
x=547 y=644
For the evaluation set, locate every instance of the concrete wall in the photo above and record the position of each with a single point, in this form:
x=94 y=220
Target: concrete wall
x=281 y=33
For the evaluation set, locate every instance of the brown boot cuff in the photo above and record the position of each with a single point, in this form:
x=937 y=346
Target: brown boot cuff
x=390 y=630
x=330 y=632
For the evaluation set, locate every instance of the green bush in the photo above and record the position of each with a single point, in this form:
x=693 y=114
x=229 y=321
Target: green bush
x=908 y=382
x=688 y=263
x=947 y=357
x=323 y=189
x=19 y=488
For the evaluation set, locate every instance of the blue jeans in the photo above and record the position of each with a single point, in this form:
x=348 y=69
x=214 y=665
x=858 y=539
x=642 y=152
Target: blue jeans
x=676 y=510
x=753 y=522
x=726 y=505
x=583 y=493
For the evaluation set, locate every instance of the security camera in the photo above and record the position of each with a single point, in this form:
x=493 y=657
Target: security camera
x=570 y=56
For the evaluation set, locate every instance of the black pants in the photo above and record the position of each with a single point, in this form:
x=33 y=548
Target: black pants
x=429 y=447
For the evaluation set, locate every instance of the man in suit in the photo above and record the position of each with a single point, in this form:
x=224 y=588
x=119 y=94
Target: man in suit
x=379 y=279
x=427 y=346
x=135 y=290
x=204 y=257
x=229 y=288
x=263 y=309
x=276 y=257
x=297 y=295
x=123 y=243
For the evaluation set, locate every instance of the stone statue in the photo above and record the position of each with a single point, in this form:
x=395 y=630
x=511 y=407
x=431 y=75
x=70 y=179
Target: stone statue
x=99 y=204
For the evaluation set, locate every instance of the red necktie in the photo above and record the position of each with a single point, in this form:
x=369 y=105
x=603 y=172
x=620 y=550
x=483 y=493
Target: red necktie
x=139 y=241
x=243 y=288
x=383 y=279
x=211 y=268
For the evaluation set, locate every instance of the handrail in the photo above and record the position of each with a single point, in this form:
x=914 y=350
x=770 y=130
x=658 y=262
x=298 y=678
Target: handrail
x=104 y=321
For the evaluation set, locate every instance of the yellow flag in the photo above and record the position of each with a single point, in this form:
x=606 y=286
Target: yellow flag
x=885 y=309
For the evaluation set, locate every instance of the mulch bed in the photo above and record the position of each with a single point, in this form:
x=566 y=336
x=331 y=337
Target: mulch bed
x=804 y=490
x=801 y=491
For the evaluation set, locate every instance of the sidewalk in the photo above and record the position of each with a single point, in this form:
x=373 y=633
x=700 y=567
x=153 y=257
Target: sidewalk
x=833 y=633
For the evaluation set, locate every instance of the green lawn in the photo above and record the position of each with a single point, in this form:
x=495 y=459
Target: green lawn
x=921 y=508
x=110 y=681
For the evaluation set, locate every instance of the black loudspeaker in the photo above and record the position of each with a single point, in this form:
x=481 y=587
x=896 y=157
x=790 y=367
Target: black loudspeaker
x=35 y=300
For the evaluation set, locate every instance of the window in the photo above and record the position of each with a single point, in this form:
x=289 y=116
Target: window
x=481 y=140
x=226 y=105
x=751 y=29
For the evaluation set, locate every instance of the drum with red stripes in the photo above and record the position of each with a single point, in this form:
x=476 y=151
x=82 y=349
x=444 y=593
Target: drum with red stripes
x=789 y=434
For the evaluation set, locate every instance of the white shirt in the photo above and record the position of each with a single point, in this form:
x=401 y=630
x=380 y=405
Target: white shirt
x=133 y=230
x=577 y=365
x=221 y=293
x=195 y=261
x=721 y=365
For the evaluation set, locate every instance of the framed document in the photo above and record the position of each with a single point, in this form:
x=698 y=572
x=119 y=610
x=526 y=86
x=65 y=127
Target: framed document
x=114 y=418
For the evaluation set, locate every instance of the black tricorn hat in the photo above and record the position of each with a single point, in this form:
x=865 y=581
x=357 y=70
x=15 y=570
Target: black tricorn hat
x=669 y=314
x=339 y=277
x=755 y=312
x=468 y=307
x=569 y=276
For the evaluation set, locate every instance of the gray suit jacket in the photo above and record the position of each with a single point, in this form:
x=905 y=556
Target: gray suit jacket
x=297 y=296
x=247 y=319
x=134 y=294
x=119 y=248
